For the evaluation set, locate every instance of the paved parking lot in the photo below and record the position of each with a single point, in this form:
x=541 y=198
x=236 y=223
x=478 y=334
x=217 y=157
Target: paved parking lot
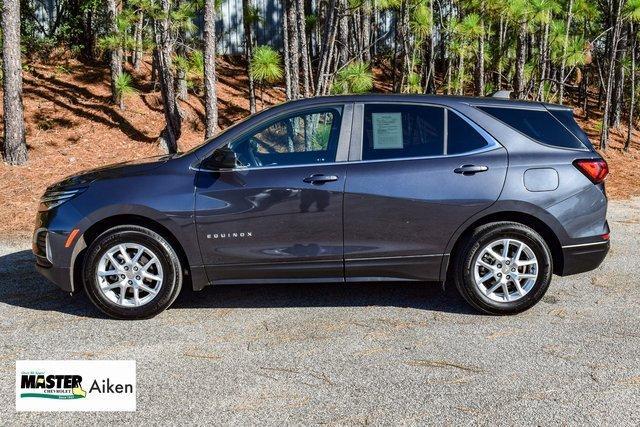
x=349 y=354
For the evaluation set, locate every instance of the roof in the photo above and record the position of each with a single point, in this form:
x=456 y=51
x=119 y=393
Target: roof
x=436 y=99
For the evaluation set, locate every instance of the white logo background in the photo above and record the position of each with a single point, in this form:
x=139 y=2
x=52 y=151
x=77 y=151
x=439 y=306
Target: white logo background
x=116 y=371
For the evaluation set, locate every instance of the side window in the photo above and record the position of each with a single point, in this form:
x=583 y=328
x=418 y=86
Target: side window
x=536 y=124
x=300 y=139
x=461 y=136
x=401 y=131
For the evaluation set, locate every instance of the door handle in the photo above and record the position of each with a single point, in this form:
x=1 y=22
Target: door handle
x=470 y=169
x=319 y=178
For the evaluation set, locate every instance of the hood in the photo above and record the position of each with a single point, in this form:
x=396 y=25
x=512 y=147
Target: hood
x=129 y=168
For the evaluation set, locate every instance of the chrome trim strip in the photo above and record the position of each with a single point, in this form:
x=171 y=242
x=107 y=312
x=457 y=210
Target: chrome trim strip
x=394 y=257
x=586 y=244
x=60 y=192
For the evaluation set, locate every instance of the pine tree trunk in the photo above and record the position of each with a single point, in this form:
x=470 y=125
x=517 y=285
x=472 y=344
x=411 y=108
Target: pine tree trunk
x=564 y=50
x=248 y=50
x=606 y=118
x=116 y=54
x=89 y=35
x=366 y=30
x=430 y=86
x=479 y=77
x=343 y=34
x=304 y=53
x=285 y=42
x=521 y=54
x=632 y=99
x=327 y=48
x=544 y=40
x=14 y=148
x=137 y=51
x=173 y=122
x=210 y=95
x=497 y=58
x=294 y=57
x=181 y=73
x=618 y=92
x=154 y=67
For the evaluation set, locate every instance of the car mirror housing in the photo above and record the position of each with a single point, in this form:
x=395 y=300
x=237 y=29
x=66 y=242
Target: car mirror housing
x=222 y=158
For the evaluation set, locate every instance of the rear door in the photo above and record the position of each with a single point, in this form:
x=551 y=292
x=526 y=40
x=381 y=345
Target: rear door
x=278 y=215
x=416 y=173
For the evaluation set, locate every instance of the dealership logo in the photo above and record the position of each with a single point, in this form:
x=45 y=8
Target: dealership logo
x=75 y=385
x=52 y=386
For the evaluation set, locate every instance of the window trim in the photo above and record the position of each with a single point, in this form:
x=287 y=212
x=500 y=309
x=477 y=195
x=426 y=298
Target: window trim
x=346 y=118
x=358 y=133
x=532 y=108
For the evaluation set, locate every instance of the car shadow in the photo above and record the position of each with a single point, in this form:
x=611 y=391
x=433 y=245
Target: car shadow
x=22 y=286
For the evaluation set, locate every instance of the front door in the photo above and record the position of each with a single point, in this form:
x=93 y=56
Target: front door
x=277 y=216
x=412 y=186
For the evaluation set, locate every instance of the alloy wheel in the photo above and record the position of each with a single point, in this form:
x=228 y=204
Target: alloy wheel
x=129 y=274
x=505 y=270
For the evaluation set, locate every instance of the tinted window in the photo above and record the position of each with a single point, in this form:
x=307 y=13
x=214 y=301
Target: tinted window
x=461 y=136
x=566 y=118
x=400 y=131
x=536 y=124
x=301 y=139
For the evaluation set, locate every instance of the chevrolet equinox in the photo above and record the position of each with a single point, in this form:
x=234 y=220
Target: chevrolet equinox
x=491 y=195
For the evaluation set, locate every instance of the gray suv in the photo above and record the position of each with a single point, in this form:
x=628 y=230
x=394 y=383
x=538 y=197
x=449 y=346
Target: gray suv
x=491 y=195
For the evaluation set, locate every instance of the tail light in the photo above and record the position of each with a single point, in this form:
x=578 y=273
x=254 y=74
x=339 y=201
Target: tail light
x=594 y=169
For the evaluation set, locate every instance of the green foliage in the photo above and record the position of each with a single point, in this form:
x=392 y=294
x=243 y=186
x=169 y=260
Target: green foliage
x=321 y=137
x=413 y=83
x=181 y=63
x=253 y=15
x=354 y=78
x=196 y=62
x=124 y=85
x=265 y=65
x=311 y=21
x=421 y=21
x=632 y=10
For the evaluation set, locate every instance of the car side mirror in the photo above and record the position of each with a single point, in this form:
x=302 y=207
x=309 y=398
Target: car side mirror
x=222 y=158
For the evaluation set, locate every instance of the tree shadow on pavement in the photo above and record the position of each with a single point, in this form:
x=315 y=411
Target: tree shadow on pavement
x=22 y=286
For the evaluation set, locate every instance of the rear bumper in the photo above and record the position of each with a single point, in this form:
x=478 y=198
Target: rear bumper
x=581 y=258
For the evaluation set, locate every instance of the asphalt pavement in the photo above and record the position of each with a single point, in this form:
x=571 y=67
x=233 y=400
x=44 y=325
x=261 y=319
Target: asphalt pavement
x=348 y=354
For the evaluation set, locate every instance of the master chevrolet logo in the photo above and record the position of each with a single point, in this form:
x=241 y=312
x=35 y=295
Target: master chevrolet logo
x=52 y=386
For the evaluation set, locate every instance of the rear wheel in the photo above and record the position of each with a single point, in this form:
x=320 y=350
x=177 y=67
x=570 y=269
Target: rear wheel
x=131 y=272
x=503 y=268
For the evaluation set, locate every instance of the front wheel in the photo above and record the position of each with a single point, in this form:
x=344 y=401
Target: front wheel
x=503 y=268
x=131 y=272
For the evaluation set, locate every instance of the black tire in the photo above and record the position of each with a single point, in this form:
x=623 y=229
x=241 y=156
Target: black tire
x=469 y=251
x=167 y=257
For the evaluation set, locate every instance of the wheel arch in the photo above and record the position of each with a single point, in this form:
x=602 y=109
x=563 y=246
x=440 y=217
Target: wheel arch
x=99 y=227
x=526 y=218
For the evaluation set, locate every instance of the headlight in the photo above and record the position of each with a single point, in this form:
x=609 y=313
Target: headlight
x=51 y=199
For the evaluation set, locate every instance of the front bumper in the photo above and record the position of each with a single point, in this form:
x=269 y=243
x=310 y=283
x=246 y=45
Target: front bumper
x=58 y=275
x=581 y=258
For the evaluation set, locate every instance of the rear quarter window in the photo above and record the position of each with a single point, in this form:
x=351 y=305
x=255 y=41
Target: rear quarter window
x=566 y=118
x=536 y=124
